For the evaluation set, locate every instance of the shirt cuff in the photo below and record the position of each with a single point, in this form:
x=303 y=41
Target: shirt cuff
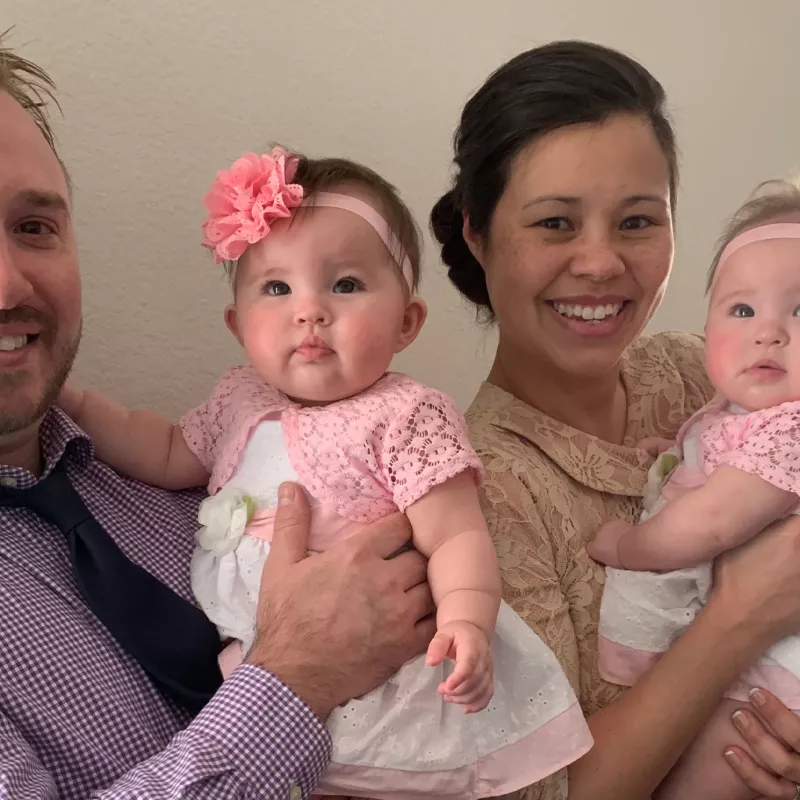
x=272 y=737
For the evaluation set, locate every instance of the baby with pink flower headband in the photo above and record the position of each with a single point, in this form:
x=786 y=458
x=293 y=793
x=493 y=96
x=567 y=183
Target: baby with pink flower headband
x=734 y=470
x=324 y=257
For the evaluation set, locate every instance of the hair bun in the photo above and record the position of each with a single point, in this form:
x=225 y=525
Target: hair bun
x=463 y=269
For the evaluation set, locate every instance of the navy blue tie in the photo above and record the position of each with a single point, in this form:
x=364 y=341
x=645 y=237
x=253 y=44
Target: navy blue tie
x=171 y=638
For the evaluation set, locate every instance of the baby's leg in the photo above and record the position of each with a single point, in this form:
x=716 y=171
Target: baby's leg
x=702 y=772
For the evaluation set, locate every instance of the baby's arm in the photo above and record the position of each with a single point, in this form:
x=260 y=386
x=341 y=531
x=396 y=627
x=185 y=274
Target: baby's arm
x=450 y=530
x=142 y=444
x=731 y=508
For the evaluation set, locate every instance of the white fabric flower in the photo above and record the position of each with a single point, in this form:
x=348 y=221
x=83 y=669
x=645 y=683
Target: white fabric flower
x=224 y=518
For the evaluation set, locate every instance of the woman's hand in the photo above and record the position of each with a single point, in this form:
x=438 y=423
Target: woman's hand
x=755 y=585
x=777 y=747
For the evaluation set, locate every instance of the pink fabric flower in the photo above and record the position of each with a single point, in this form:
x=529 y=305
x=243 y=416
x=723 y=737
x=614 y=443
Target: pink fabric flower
x=247 y=199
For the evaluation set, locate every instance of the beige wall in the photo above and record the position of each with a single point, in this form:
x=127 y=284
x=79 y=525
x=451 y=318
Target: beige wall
x=158 y=94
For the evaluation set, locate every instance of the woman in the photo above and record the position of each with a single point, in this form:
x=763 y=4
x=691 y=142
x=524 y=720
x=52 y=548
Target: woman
x=559 y=227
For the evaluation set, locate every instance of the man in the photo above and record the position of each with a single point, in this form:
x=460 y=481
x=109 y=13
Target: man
x=91 y=699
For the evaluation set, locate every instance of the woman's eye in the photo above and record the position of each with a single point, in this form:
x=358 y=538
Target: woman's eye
x=347 y=286
x=555 y=224
x=742 y=310
x=277 y=288
x=796 y=312
x=636 y=223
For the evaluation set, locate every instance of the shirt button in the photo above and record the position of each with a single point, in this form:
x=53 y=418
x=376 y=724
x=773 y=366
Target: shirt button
x=8 y=482
x=295 y=793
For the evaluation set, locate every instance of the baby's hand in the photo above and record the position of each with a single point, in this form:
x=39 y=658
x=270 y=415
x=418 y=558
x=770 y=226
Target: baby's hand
x=471 y=683
x=605 y=545
x=70 y=399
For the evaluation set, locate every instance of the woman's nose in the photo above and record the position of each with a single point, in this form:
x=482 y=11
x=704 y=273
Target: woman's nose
x=597 y=259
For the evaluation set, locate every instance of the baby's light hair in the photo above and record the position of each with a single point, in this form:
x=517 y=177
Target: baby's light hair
x=769 y=202
x=324 y=174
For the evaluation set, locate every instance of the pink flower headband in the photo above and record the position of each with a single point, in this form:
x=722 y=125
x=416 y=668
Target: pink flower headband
x=778 y=230
x=245 y=200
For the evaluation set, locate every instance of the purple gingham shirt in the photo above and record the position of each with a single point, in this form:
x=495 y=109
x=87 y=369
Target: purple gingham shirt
x=78 y=716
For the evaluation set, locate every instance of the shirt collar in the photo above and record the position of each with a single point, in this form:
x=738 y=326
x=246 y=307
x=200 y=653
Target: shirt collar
x=592 y=462
x=59 y=437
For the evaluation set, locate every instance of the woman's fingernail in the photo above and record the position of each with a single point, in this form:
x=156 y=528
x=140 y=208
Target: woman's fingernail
x=732 y=757
x=758 y=697
x=740 y=720
x=285 y=494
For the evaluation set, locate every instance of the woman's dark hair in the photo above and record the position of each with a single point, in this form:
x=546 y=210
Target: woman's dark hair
x=539 y=91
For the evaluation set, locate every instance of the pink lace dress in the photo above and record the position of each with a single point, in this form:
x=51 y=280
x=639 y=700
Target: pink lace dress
x=359 y=460
x=643 y=613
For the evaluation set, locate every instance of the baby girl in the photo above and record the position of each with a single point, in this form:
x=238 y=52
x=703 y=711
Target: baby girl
x=324 y=261
x=735 y=469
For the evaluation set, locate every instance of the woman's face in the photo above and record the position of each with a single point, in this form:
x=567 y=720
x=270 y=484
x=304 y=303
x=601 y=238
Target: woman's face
x=580 y=246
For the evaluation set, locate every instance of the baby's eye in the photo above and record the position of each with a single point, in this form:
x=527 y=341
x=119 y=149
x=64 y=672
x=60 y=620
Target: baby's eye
x=796 y=312
x=347 y=286
x=277 y=288
x=742 y=310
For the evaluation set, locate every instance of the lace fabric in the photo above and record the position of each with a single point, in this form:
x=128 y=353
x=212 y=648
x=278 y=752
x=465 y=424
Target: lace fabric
x=366 y=456
x=764 y=443
x=547 y=489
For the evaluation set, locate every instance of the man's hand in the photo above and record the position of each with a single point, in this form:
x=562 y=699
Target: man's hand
x=336 y=625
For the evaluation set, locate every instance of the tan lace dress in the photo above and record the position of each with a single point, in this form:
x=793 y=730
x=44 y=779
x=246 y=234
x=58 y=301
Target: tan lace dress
x=548 y=487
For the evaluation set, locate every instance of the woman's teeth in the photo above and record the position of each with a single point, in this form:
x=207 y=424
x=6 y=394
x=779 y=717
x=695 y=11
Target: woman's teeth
x=588 y=312
x=11 y=343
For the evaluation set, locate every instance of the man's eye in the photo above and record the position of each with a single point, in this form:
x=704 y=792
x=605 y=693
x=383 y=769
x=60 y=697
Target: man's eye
x=35 y=227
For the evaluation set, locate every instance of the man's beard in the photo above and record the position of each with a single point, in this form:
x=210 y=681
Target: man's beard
x=15 y=422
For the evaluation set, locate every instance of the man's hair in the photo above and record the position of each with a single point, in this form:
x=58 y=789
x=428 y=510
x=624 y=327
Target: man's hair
x=30 y=86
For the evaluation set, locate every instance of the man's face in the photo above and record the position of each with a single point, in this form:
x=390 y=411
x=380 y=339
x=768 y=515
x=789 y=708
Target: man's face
x=40 y=291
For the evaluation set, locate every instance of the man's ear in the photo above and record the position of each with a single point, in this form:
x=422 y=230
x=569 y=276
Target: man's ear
x=232 y=321
x=413 y=320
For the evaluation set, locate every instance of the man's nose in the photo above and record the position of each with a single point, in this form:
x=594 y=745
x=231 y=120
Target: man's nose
x=15 y=288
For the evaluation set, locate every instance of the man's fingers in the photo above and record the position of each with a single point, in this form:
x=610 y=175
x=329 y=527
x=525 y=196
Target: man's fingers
x=420 y=602
x=407 y=570
x=386 y=537
x=290 y=535
x=424 y=631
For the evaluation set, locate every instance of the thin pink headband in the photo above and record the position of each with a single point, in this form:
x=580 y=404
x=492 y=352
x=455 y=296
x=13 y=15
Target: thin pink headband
x=374 y=220
x=778 y=230
x=247 y=199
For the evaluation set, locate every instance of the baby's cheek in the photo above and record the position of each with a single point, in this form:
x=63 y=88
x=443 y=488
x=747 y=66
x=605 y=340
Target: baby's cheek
x=723 y=352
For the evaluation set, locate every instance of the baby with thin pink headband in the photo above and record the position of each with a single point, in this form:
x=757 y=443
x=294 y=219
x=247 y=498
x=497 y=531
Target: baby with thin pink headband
x=324 y=260
x=734 y=470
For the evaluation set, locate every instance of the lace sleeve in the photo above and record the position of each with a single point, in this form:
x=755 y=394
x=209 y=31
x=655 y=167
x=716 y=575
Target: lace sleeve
x=203 y=427
x=531 y=587
x=426 y=444
x=764 y=443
